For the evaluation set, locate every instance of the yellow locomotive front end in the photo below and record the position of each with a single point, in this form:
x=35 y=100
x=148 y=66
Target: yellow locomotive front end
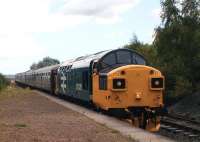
x=131 y=90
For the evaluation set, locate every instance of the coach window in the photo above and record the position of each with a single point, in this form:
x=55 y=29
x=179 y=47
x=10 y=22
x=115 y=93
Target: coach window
x=85 y=80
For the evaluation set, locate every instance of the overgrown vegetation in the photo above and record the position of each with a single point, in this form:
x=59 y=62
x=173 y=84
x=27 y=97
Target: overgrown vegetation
x=3 y=82
x=47 y=61
x=20 y=125
x=13 y=91
x=176 y=47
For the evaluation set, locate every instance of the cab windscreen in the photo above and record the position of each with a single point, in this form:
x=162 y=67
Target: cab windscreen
x=119 y=83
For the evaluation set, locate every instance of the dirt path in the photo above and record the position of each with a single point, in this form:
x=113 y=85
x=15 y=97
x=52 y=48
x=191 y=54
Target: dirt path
x=29 y=117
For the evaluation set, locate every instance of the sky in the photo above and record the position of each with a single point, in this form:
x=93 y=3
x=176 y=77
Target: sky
x=66 y=29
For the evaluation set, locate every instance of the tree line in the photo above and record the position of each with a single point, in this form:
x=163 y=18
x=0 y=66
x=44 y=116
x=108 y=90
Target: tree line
x=46 y=61
x=176 y=47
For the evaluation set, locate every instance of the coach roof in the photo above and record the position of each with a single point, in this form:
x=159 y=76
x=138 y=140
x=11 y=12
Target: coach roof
x=46 y=69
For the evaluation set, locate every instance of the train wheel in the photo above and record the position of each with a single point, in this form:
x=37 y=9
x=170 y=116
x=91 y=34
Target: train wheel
x=140 y=121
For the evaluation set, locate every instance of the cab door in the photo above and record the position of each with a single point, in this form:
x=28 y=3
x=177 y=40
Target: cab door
x=91 y=72
x=54 y=80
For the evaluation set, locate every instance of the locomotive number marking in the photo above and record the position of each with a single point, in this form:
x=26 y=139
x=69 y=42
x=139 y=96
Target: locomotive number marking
x=63 y=85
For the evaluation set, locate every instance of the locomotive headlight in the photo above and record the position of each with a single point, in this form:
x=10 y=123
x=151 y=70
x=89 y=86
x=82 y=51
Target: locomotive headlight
x=119 y=83
x=157 y=83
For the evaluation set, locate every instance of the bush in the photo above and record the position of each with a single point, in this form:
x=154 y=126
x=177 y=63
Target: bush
x=3 y=82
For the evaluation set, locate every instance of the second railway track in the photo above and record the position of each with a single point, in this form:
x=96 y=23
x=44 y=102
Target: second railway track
x=180 y=128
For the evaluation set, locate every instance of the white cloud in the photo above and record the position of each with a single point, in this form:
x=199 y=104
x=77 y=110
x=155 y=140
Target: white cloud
x=32 y=16
x=11 y=66
x=19 y=46
x=36 y=15
x=102 y=11
x=18 y=52
x=156 y=13
x=28 y=16
x=20 y=18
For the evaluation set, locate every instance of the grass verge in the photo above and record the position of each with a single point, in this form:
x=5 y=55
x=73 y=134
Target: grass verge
x=13 y=91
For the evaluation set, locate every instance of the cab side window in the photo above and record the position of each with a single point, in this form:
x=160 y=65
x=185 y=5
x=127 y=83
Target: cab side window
x=102 y=82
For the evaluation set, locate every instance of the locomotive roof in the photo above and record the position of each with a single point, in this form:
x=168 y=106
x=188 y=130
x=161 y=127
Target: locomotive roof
x=67 y=62
x=84 y=61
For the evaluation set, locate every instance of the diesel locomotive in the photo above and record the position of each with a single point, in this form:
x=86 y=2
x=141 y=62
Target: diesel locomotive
x=117 y=81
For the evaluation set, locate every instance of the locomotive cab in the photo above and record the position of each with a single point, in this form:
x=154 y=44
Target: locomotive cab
x=123 y=84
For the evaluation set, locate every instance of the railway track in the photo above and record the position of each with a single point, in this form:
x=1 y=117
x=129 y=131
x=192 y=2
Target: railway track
x=183 y=117
x=180 y=128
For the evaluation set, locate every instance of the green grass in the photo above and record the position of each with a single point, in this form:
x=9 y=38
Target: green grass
x=13 y=91
x=20 y=125
x=114 y=131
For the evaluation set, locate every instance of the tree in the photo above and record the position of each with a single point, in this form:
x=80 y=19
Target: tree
x=190 y=11
x=33 y=66
x=167 y=44
x=191 y=39
x=170 y=12
x=178 y=45
x=47 y=61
